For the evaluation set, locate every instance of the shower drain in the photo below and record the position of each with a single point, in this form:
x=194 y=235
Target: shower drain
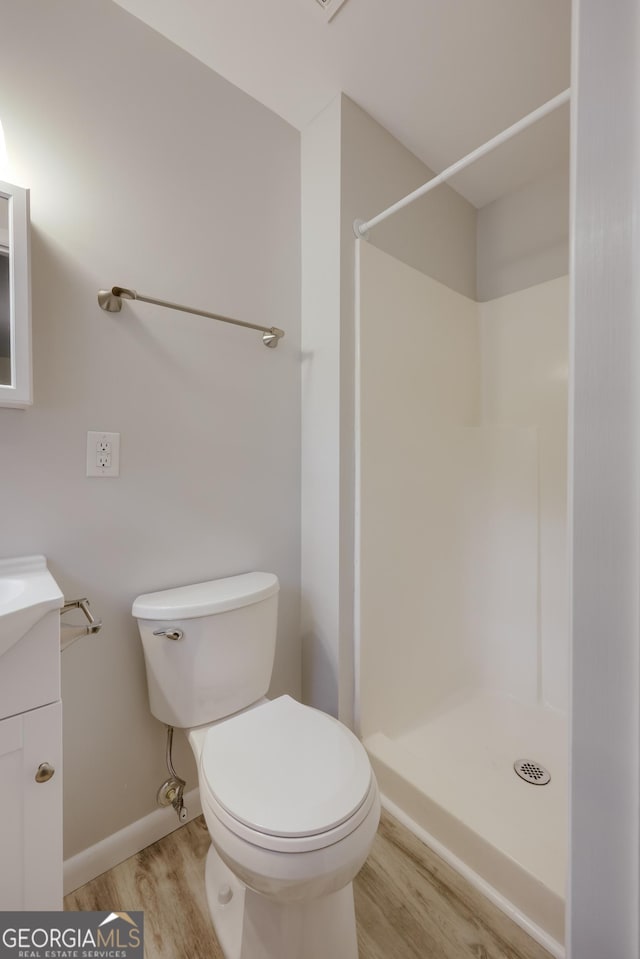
x=532 y=772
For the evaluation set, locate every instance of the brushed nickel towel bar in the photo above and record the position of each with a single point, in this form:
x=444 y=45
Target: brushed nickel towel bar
x=111 y=301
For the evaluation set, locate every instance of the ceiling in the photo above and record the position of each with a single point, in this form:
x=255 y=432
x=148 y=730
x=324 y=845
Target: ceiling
x=443 y=76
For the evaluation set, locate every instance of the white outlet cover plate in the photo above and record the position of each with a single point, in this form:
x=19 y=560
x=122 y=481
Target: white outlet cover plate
x=96 y=440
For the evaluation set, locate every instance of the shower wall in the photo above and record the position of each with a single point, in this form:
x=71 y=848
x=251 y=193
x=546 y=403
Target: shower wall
x=524 y=360
x=461 y=515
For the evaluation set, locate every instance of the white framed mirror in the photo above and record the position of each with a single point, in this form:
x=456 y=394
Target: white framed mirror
x=15 y=297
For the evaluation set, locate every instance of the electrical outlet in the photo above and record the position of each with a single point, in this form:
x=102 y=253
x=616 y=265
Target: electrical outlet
x=103 y=454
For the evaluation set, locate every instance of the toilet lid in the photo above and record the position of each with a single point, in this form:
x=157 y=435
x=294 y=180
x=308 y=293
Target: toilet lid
x=284 y=769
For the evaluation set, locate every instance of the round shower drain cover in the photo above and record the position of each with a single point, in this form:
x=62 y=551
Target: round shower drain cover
x=532 y=772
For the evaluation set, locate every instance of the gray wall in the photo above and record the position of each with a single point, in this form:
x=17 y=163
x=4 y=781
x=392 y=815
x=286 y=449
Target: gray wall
x=148 y=170
x=523 y=237
x=436 y=234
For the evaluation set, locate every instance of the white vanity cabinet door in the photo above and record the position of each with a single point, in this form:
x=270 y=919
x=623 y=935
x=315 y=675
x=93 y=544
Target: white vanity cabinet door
x=31 y=811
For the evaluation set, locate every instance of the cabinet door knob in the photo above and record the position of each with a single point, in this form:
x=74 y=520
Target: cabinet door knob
x=44 y=773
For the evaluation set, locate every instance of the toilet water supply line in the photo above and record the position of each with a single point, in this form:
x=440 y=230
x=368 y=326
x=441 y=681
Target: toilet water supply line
x=172 y=790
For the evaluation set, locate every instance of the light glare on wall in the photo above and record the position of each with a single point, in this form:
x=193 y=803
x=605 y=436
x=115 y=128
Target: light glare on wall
x=4 y=159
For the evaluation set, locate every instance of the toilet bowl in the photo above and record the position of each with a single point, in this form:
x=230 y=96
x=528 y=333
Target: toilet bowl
x=291 y=824
x=288 y=794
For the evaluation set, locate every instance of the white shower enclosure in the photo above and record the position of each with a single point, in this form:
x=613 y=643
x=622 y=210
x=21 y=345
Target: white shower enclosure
x=462 y=641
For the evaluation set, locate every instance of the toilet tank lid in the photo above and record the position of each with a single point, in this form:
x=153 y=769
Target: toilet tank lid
x=205 y=599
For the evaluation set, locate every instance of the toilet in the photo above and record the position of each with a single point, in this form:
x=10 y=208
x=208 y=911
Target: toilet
x=288 y=794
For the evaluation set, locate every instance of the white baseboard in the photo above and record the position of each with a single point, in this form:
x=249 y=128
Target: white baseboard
x=114 y=849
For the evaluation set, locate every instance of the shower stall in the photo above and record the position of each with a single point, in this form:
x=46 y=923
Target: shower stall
x=462 y=642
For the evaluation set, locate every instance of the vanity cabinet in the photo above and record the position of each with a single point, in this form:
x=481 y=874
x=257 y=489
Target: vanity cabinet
x=30 y=737
x=31 y=809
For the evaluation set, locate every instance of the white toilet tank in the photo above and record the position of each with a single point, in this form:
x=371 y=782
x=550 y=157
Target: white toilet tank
x=222 y=658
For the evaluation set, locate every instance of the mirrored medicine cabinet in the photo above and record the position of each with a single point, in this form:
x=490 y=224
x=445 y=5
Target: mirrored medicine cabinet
x=15 y=298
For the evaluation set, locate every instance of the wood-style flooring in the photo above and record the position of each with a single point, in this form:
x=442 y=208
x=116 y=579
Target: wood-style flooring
x=409 y=903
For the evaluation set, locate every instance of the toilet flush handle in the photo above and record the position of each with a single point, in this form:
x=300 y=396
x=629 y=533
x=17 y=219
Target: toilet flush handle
x=169 y=633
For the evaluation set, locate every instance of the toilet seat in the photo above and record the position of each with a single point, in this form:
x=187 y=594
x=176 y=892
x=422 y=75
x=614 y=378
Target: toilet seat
x=286 y=777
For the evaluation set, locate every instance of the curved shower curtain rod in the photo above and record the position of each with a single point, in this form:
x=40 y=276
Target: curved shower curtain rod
x=361 y=227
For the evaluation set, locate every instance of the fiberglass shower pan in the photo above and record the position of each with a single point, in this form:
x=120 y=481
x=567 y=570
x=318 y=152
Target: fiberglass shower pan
x=461 y=599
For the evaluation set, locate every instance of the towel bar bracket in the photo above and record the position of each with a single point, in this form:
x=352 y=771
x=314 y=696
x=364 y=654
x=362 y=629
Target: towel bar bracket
x=94 y=625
